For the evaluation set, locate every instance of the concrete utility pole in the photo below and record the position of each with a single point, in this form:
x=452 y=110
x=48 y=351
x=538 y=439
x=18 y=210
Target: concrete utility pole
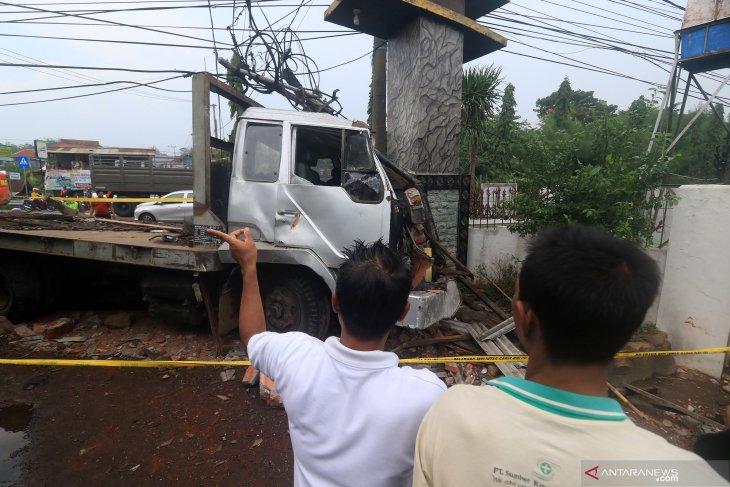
x=378 y=107
x=428 y=41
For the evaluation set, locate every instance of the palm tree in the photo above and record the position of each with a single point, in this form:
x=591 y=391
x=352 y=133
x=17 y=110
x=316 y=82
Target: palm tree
x=479 y=96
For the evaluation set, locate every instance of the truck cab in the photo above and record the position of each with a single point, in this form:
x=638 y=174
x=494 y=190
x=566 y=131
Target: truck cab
x=308 y=185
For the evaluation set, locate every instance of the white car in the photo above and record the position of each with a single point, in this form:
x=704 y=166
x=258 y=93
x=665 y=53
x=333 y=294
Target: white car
x=163 y=211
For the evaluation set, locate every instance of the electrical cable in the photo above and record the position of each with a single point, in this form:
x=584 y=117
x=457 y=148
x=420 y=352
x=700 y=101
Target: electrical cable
x=88 y=94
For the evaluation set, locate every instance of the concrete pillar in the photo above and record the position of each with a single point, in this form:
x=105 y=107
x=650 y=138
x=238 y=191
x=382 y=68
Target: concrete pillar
x=424 y=96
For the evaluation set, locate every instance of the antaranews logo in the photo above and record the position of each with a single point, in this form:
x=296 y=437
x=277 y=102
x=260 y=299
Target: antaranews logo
x=626 y=473
x=592 y=472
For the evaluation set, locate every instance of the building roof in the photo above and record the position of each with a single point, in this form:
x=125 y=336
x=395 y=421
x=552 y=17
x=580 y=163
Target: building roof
x=25 y=152
x=73 y=146
x=69 y=143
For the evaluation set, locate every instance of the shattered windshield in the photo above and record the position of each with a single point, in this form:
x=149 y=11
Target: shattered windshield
x=358 y=156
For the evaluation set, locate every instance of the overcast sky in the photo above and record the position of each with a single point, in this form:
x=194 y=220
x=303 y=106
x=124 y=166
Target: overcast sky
x=144 y=117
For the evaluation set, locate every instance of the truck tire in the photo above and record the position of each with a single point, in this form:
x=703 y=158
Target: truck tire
x=20 y=289
x=124 y=209
x=295 y=301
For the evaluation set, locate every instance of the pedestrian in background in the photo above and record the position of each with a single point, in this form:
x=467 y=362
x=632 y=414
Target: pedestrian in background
x=103 y=209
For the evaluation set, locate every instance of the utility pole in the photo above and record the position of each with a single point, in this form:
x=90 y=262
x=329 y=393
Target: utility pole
x=380 y=51
x=215 y=120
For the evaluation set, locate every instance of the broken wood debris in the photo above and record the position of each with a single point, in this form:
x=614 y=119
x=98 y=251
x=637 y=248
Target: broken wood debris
x=497 y=345
x=668 y=404
x=625 y=400
x=492 y=305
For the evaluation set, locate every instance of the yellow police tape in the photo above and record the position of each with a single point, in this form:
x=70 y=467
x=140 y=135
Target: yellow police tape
x=113 y=200
x=239 y=363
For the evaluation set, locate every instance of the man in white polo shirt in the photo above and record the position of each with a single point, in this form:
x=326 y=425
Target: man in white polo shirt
x=353 y=413
x=580 y=296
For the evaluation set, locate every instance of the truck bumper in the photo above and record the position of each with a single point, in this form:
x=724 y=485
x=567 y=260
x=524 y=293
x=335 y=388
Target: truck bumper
x=429 y=307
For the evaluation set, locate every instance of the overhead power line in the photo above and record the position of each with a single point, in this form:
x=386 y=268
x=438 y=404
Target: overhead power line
x=87 y=94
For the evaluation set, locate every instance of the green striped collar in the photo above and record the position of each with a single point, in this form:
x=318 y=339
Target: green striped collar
x=560 y=402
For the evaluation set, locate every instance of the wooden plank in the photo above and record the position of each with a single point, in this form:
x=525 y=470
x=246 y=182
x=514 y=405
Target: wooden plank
x=627 y=402
x=455 y=325
x=507 y=368
x=494 y=306
x=504 y=344
x=501 y=329
x=676 y=407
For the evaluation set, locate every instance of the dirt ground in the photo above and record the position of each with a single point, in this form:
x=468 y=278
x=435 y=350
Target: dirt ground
x=143 y=426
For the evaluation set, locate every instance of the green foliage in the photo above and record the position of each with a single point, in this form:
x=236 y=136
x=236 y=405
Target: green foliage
x=479 y=97
x=607 y=189
x=568 y=104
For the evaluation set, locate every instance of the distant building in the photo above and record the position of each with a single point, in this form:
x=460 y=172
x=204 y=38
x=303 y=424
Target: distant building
x=76 y=154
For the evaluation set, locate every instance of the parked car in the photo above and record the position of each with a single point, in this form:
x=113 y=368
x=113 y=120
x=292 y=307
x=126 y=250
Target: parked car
x=164 y=211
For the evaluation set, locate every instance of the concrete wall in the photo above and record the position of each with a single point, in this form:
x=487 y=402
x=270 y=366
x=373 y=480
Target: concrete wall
x=694 y=307
x=488 y=245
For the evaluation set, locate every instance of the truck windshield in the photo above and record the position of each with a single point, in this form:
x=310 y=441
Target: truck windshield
x=357 y=153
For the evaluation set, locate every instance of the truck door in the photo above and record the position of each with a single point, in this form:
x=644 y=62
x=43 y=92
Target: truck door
x=257 y=160
x=334 y=193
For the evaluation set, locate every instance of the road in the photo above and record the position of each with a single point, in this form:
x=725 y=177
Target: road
x=120 y=427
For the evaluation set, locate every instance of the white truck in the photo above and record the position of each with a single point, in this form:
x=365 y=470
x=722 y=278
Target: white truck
x=307 y=184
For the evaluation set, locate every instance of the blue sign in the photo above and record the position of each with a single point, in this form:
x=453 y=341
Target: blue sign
x=23 y=162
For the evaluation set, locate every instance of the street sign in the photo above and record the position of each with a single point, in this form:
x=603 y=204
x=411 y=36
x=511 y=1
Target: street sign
x=23 y=162
x=14 y=176
x=41 y=149
x=6 y=151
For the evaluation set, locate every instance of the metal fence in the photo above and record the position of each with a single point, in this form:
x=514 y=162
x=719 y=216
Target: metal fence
x=489 y=208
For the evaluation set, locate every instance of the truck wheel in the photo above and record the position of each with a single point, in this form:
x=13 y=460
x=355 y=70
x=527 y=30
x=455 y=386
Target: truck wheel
x=124 y=209
x=295 y=302
x=20 y=290
x=147 y=218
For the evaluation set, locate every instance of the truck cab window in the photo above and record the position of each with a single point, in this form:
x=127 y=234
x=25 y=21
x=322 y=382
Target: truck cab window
x=262 y=152
x=317 y=149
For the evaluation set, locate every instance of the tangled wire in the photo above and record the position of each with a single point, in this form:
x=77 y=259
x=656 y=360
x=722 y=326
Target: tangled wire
x=274 y=61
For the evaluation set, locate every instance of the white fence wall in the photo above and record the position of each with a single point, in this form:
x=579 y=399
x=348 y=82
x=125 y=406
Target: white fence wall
x=693 y=306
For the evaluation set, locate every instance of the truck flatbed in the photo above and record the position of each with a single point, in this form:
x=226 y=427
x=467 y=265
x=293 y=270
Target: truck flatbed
x=120 y=246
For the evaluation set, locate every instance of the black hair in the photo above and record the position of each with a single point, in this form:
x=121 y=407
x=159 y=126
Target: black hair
x=589 y=289
x=372 y=289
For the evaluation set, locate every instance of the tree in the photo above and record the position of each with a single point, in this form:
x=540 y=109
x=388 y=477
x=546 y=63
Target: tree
x=568 y=104
x=502 y=133
x=478 y=98
x=595 y=176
